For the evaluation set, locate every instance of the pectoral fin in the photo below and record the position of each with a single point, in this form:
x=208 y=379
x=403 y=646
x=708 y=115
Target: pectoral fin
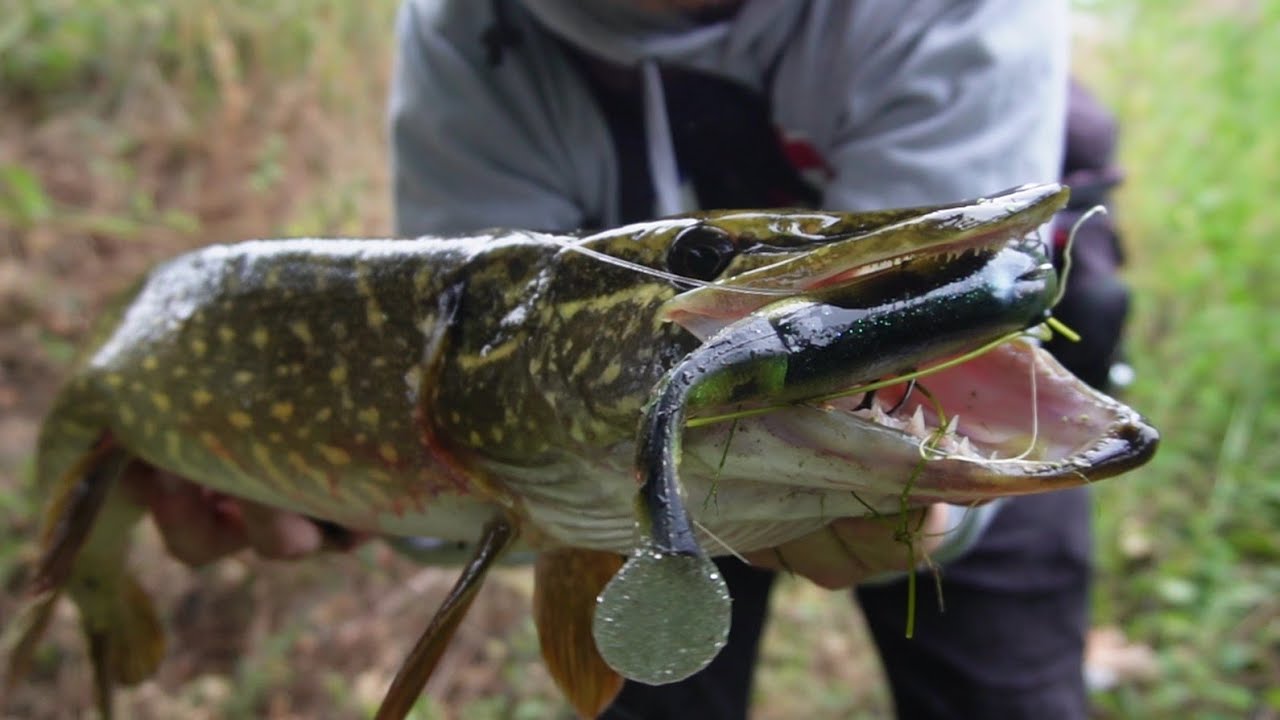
x=417 y=667
x=566 y=583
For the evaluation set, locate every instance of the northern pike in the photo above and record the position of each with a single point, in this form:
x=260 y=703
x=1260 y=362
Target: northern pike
x=718 y=382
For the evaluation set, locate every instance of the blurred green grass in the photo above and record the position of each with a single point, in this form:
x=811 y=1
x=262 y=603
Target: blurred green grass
x=195 y=120
x=1189 y=545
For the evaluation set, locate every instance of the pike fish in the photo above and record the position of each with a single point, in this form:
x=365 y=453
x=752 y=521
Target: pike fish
x=718 y=382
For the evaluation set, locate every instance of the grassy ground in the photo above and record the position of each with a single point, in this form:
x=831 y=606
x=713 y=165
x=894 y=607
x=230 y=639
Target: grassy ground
x=127 y=135
x=1189 y=545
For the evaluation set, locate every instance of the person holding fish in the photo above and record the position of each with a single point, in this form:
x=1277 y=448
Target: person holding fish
x=564 y=114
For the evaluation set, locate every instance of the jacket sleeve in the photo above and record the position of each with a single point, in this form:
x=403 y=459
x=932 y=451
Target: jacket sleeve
x=476 y=144
x=954 y=100
x=949 y=100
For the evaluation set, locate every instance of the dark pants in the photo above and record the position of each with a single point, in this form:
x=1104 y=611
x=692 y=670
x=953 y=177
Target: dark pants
x=1010 y=643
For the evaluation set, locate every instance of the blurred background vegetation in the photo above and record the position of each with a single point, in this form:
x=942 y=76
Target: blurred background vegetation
x=129 y=131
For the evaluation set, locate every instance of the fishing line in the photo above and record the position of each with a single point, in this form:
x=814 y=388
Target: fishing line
x=720 y=542
x=1066 y=253
x=672 y=277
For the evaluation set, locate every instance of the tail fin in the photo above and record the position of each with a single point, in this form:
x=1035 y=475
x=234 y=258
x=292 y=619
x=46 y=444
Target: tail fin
x=86 y=533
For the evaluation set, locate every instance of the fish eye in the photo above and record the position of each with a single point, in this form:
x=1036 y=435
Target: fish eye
x=700 y=252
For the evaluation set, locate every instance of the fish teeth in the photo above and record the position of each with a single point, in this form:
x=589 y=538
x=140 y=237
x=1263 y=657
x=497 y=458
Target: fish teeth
x=915 y=425
x=965 y=447
x=946 y=444
x=952 y=424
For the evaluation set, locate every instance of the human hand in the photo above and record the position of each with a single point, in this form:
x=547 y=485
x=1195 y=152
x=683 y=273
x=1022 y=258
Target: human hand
x=851 y=550
x=199 y=525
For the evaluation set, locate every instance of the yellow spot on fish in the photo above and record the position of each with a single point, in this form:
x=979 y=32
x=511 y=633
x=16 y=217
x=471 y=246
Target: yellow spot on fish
x=493 y=354
x=150 y=362
x=201 y=397
x=611 y=372
x=372 y=311
x=373 y=314
x=584 y=360
x=422 y=280
x=476 y=440
x=496 y=432
x=388 y=452
x=173 y=444
x=260 y=337
x=149 y=428
x=199 y=347
x=180 y=371
x=115 y=380
x=226 y=333
x=242 y=377
x=215 y=446
x=240 y=420
x=302 y=331
x=323 y=414
x=336 y=456
x=455 y=416
x=338 y=374
x=378 y=498
x=275 y=437
x=378 y=362
x=262 y=454
x=300 y=464
x=161 y=401
x=368 y=416
x=126 y=414
x=282 y=411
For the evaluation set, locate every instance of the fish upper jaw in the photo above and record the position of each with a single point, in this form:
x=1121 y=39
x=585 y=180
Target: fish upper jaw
x=849 y=253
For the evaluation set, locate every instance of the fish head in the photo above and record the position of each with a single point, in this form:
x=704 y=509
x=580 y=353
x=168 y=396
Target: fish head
x=873 y=363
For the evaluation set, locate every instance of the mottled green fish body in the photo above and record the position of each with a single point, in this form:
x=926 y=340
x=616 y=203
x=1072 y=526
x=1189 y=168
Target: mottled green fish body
x=413 y=386
x=464 y=387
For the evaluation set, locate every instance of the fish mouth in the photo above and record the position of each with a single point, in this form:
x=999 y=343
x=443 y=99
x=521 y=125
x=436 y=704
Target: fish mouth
x=989 y=413
x=1007 y=422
